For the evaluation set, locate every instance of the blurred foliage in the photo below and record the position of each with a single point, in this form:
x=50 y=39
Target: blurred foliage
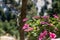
x=31 y=9
x=8 y=22
x=8 y=27
x=56 y=8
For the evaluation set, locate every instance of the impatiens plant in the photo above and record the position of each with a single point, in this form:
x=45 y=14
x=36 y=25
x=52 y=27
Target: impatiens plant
x=42 y=27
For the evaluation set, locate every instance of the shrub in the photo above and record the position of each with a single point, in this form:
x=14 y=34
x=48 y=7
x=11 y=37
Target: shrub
x=42 y=27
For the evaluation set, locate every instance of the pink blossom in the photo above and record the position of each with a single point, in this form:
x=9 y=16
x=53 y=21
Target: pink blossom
x=45 y=32
x=52 y=35
x=40 y=38
x=36 y=17
x=55 y=16
x=42 y=35
x=28 y=29
x=25 y=19
x=25 y=26
x=43 y=22
x=45 y=17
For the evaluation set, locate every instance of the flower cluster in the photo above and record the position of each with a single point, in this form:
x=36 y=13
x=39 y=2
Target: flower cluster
x=42 y=27
x=26 y=28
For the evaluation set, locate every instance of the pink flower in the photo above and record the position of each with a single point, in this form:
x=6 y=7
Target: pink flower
x=43 y=22
x=45 y=32
x=40 y=38
x=25 y=19
x=52 y=35
x=25 y=26
x=45 y=17
x=28 y=29
x=55 y=16
x=42 y=35
x=36 y=17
